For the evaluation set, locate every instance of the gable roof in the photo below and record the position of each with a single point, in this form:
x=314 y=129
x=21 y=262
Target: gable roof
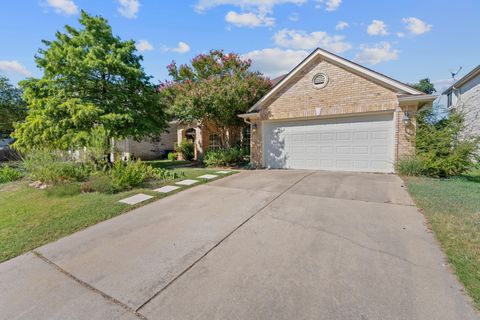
x=385 y=81
x=469 y=76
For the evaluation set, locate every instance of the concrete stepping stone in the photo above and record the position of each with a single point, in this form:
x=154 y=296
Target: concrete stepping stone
x=136 y=199
x=223 y=172
x=208 y=176
x=187 y=182
x=166 y=189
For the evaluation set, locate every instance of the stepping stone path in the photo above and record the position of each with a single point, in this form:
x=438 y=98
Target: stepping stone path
x=136 y=199
x=223 y=172
x=208 y=176
x=166 y=189
x=187 y=182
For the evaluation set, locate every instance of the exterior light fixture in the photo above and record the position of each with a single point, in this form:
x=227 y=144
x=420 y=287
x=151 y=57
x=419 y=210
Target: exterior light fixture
x=406 y=118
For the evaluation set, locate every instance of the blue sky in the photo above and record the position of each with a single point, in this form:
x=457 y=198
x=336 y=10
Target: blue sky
x=406 y=40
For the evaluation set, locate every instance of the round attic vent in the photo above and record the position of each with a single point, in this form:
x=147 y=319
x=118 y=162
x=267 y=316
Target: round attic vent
x=320 y=81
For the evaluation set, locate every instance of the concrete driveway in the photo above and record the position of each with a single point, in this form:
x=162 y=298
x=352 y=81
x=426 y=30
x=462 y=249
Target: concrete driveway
x=256 y=245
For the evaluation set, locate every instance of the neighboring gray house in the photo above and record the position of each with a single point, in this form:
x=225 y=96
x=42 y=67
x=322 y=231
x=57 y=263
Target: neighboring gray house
x=464 y=96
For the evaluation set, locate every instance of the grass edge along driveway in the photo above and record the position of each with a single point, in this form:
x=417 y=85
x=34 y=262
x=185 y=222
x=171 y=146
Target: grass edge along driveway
x=30 y=218
x=452 y=208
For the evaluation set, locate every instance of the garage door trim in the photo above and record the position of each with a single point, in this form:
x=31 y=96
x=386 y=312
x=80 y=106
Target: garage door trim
x=385 y=117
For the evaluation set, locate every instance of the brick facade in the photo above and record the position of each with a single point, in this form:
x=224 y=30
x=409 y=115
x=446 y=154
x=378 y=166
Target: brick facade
x=346 y=93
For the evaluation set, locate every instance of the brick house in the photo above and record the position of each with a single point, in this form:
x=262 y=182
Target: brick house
x=330 y=113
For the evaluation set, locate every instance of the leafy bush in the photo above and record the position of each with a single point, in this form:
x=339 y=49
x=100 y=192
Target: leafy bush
x=442 y=147
x=226 y=157
x=164 y=174
x=128 y=174
x=410 y=166
x=49 y=167
x=172 y=156
x=187 y=149
x=9 y=174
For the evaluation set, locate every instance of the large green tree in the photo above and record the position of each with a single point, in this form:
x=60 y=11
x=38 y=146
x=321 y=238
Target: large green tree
x=214 y=88
x=91 y=78
x=425 y=86
x=12 y=106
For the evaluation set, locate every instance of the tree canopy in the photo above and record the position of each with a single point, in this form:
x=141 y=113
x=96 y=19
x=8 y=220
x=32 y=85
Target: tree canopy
x=12 y=106
x=425 y=86
x=91 y=78
x=214 y=88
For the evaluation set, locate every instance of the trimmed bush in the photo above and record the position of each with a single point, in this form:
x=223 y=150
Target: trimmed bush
x=187 y=149
x=409 y=166
x=226 y=157
x=9 y=174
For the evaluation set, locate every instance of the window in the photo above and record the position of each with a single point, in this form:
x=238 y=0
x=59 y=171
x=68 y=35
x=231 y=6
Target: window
x=214 y=142
x=449 y=100
x=320 y=81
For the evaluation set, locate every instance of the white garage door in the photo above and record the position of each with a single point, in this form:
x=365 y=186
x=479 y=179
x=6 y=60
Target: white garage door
x=345 y=144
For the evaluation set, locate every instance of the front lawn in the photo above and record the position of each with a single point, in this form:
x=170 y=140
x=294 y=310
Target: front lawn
x=31 y=217
x=452 y=207
x=165 y=164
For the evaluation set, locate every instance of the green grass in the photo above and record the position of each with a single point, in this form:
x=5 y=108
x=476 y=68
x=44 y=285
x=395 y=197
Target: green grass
x=452 y=207
x=30 y=217
x=167 y=163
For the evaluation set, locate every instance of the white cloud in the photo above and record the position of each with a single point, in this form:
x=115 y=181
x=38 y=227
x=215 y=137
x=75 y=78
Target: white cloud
x=274 y=61
x=182 y=47
x=417 y=26
x=128 y=8
x=249 y=19
x=377 y=28
x=330 y=5
x=294 y=16
x=144 y=45
x=443 y=84
x=297 y=39
x=13 y=66
x=342 y=25
x=400 y=34
x=262 y=6
x=381 y=52
x=67 y=7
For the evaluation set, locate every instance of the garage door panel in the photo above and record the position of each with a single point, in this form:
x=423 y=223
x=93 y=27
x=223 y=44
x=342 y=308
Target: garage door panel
x=351 y=144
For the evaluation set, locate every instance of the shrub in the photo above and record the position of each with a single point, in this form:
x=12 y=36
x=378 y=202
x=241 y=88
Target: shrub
x=128 y=174
x=49 y=167
x=164 y=174
x=9 y=174
x=226 y=157
x=409 y=166
x=187 y=149
x=172 y=156
x=442 y=147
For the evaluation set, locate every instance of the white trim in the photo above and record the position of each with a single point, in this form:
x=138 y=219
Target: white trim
x=418 y=98
x=403 y=88
x=332 y=116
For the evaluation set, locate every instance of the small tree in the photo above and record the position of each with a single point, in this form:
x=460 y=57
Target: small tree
x=12 y=107
x=91 y=78
x=215 y=88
